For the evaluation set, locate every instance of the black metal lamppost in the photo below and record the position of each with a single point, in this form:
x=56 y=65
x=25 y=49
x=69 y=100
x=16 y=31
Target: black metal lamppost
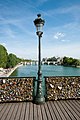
x=39 y=99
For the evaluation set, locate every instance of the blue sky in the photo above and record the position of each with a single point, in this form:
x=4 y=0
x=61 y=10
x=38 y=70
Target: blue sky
x=61 y=30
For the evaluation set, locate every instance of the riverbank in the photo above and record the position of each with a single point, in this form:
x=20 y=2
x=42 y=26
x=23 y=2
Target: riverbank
x=9 y=71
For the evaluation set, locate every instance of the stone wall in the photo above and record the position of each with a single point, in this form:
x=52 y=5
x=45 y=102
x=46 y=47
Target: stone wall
x=16 y=89
x=62 y=88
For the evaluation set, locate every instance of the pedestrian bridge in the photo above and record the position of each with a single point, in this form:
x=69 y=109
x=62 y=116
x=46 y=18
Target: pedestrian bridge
x=51 y=110
x=62 y=96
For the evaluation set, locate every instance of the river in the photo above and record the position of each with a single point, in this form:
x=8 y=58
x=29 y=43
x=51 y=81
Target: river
x=47 y=70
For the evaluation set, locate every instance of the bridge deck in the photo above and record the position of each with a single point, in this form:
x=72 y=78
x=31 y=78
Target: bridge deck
x=51 y=110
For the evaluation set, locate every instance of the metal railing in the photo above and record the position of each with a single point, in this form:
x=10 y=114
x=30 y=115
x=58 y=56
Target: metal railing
x=16 y=89
x=66 y=87
x=24 y=88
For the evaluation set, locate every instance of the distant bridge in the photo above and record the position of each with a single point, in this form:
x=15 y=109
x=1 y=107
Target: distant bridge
x=36 y=63
x=30 y=63
x=48 y=63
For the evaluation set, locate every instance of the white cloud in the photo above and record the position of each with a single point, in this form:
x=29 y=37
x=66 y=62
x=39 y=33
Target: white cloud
x=64 y=40
x=59 y=35
x=7 y=32
x=74 y=9
x=62 y=50
x=12 y=27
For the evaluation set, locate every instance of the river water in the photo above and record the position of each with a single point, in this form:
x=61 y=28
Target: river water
x=47 y=70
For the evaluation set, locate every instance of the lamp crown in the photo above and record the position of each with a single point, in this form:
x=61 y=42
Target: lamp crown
x=39 y=23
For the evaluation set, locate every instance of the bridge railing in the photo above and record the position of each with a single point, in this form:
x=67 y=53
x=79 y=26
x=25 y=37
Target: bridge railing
x=24 y=88
x=62 y=87
x=16 y=89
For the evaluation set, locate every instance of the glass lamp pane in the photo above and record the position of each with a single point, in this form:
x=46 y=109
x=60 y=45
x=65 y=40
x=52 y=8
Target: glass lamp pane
x=39 y=27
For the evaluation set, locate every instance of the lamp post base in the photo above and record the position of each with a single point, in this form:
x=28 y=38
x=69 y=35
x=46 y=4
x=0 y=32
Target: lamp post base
x=39 y=100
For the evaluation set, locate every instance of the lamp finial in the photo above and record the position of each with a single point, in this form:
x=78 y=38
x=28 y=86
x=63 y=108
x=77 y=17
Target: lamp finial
x=39 y=15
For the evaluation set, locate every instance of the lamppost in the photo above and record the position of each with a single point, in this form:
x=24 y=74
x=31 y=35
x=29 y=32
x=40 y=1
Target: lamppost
x=39 y=99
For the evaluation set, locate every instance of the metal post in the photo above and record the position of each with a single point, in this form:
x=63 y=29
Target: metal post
x=39 y=99
x=39 y=60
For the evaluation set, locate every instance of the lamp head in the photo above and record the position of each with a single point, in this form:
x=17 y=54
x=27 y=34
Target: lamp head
x=39 y=23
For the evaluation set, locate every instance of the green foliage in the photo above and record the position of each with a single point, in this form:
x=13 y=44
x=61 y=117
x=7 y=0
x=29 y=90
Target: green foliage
x=26 y=60
x=52 y=59
x=70 y=62
x=12 y=60
x=76 y=62
x=8 y=61
x=3 y=56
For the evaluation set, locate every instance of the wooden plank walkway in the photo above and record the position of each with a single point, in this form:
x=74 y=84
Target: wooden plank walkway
x=51 y=110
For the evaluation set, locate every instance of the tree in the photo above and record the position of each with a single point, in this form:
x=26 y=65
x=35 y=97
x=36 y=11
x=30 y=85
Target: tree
x=52 y=59
x=3 y=56
x=65 y=60
x=12 y=60
x=76 y=62
x=70 y=62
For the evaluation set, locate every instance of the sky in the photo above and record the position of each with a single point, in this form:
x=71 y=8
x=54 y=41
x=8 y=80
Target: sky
x=61 y=31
